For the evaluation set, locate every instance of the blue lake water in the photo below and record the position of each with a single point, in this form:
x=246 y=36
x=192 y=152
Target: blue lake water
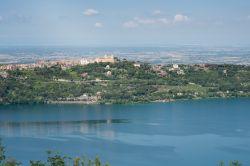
x=178 y=134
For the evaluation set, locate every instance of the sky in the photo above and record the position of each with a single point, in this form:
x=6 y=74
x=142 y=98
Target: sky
x=124 y=22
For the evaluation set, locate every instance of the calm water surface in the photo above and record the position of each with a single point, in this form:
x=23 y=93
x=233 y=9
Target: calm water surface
x=177 y=134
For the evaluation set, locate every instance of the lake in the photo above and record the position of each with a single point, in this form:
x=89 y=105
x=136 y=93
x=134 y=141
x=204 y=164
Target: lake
x=178 y=134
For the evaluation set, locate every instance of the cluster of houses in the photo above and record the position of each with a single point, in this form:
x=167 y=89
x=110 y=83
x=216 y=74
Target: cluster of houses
x=63 y=63
x=84 y=98
x=178 y=70
x=162 y=72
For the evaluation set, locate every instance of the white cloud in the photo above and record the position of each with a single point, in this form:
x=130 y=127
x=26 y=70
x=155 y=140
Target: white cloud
x=98 y=25
x=130 y=24
x=140 y=21
x=181 y=18
x=157 y=12
x=90 y=12
x=137 y=21
x=164 y=20
x=1 y=18
x=144 y=20
x=248 y=17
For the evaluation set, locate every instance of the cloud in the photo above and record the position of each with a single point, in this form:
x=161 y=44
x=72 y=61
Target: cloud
x=130 y=24
x=163 y=20
x=248 y=17
x=144 y=20
x=90 y=12
x=156 y=20
x=181 y=18
x=137 y=21
x=1 y=18
x=157 y=12
x=98 y=25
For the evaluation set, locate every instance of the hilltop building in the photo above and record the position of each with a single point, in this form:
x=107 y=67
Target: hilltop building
x=174 y=67
x=84 y=61
x=105 y=59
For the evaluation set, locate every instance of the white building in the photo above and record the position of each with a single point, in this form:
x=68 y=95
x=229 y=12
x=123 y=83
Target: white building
x=109 y=73
x=137 y=65
x=180 y=72
x=107 y=67
x=3 y=74
x=179 y=94
x=84 y=61
x=175 y=66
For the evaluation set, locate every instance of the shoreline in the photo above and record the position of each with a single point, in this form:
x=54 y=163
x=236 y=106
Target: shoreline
x=151 y=102
x=128 y=103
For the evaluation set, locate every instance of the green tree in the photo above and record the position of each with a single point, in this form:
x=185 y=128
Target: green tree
x=76 y=161
x=235 y=163
x=55 y=159
x=12 y=162
x=2 y=153
x=221 y=163
x=37 y=163
x=97 y=161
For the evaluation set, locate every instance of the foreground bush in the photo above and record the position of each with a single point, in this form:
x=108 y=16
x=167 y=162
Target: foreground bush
x=232 y=163
x=54 y=159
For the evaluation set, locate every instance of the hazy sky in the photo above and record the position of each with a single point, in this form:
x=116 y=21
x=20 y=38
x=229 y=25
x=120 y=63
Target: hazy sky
x=124 y=22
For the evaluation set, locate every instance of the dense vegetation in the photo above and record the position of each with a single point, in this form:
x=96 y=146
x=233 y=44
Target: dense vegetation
x=122 y=82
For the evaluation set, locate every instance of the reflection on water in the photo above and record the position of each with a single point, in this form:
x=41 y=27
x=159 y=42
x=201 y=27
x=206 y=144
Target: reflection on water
x=53 y=128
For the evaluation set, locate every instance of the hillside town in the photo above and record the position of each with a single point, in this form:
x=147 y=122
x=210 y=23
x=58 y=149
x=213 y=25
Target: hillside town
x=68 y=63
x=64 y=63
